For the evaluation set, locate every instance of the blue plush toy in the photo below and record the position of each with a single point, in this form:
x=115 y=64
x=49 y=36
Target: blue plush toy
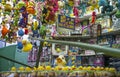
x=106 y=6
x=19 y=45
x=20 y=32
x=23 y=21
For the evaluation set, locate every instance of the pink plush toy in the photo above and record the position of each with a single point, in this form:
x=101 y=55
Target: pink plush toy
x=53 y=32
x=75 y=11
x=56 y=6
x=76 y=14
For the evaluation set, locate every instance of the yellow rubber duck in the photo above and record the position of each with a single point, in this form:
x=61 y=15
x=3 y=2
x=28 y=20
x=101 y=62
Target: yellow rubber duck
x=13 y=69
x=27 y=46
x=28 y=69
x=21 y=68
x=48 y=68
x=40 y=68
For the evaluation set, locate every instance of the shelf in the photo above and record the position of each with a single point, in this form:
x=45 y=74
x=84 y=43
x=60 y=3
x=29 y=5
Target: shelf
x=80 y=37
x=117 y=32
x=71 y=37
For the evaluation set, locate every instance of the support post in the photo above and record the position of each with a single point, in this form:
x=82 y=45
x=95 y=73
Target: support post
x=39 y=53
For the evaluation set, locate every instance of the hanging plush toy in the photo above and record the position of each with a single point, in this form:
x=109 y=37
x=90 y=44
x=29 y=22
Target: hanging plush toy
x=27 y=46
x=118 y=11
x=43 y=30
x=8 y=7
x=4 y=30
x=26 y=31
x=71 y=2
x=24 y=20
x=35 y=28
x=19 y=45
x=94 y=4
x=31 y=7
x=93 y=19
x=21 y=4
x=106 y=7
x=76 y=14
x=20 y=32
x=53 y=31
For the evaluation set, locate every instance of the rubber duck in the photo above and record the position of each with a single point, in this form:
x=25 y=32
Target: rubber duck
x=27 y=46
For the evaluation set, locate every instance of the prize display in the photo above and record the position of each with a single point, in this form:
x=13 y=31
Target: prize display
x=37 y=27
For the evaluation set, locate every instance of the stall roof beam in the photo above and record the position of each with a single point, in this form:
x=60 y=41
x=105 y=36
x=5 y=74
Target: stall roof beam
x=106 y=50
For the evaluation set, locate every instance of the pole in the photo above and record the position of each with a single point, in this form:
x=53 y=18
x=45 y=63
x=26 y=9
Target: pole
x=39 y=53
x=106 y=50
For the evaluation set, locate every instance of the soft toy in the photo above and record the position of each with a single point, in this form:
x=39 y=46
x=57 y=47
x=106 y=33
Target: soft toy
x=70 y=2
x=26 y=31
x=94 y=4
x=24 y=20
x=19 y=45
x=118 y=11
x=55 y=6
x=21 y=4
x=27 y=46
x=93 y=18
x=35 y=28
x=20 y=32
x=76 y=14
x=4 y=30
x=43 y=30
x=8 y=7
x=106 y=7
x=61 y=4
x=60 y=61
x=31 y=7
x=50 y=18
x=53 y=31
x=75 y=11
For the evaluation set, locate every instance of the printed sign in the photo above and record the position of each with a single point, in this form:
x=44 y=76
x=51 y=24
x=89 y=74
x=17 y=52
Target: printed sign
x=66 y=22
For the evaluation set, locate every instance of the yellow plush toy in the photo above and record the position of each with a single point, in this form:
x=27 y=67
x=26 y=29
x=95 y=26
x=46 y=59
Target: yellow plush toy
x=60 y=61
x=94 y=4
x=71 y=2
x=27 y=46
x=35 y=24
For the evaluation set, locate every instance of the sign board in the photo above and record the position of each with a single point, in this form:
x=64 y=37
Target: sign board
x=66 y=22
